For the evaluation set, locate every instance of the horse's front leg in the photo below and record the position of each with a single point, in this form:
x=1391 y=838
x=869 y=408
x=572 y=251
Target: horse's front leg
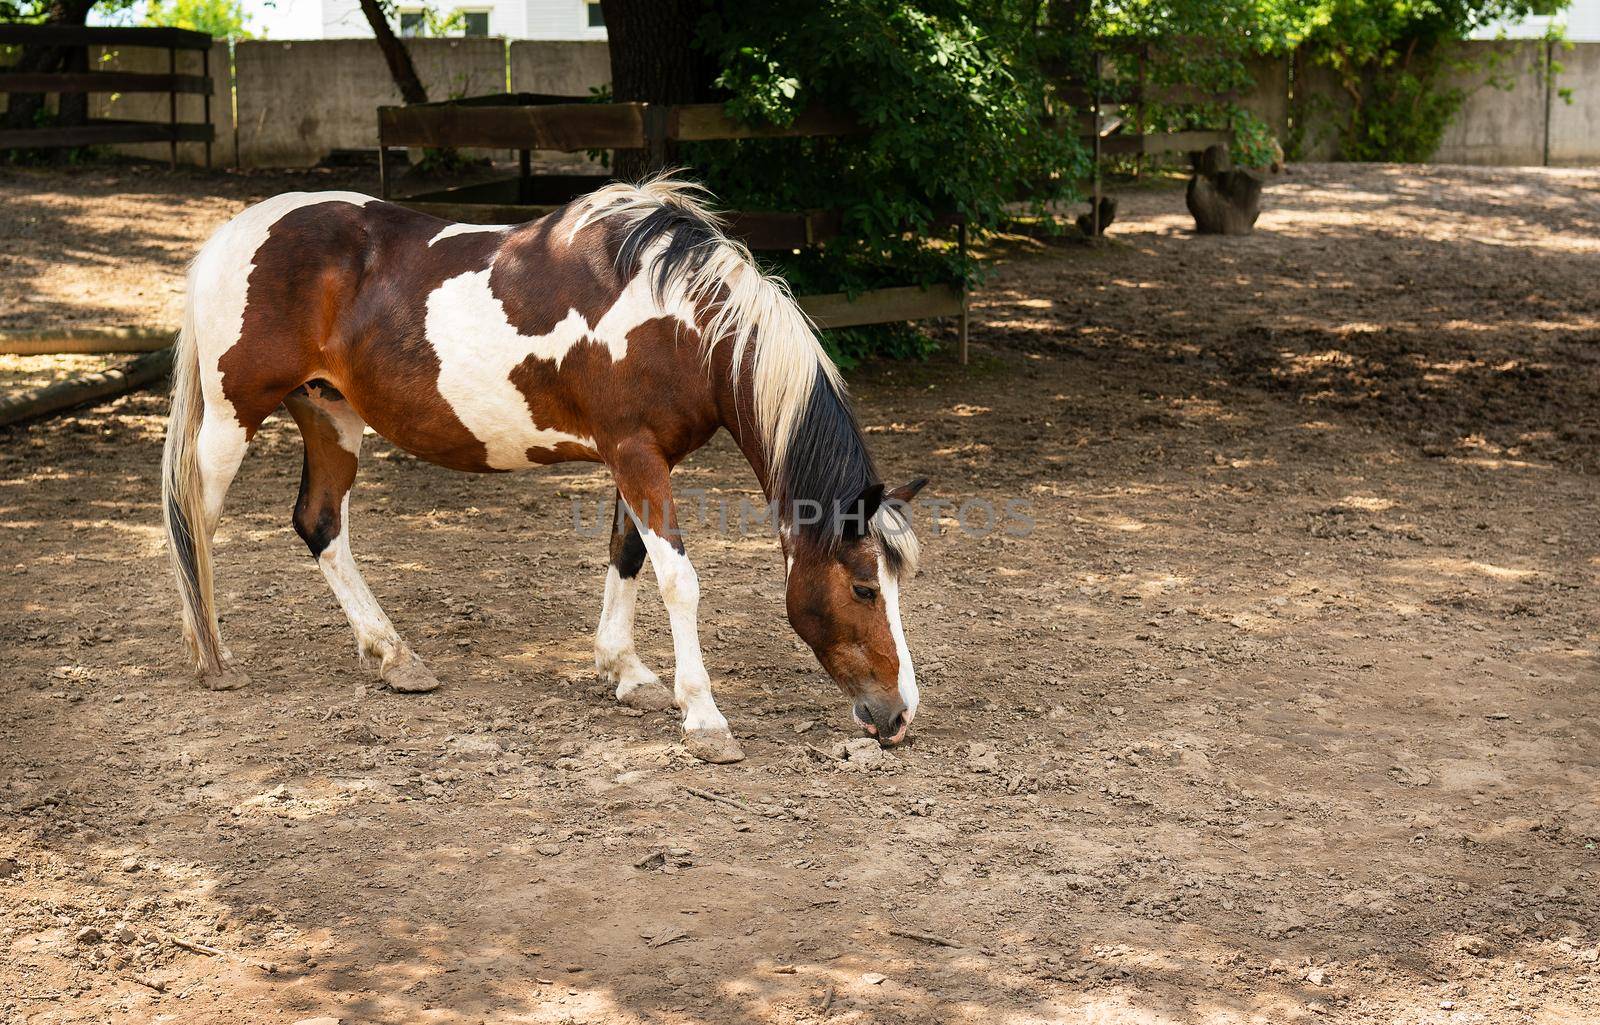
x=642 y=476
x=616 y=658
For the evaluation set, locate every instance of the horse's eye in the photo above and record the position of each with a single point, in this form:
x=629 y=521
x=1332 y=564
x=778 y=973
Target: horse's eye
x=865 y=593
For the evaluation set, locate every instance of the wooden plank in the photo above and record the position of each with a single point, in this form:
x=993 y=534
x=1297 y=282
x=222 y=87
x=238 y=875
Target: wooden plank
x=1174 y=142
x=781 y=229
x=101 y=82
x=54 y=398
x=882 y=306
x=81 y=35
x=55 y=341
x=567 y=127
x=1184 y=93
x=761 y=230
x=541 y=190
x=699 y=122
x=479 y=213
x=102 y=133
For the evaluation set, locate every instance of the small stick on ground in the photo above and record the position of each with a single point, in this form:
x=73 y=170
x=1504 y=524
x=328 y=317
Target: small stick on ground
x=198 y=948
x=144 y=980
x=924 y=937
x=718 y=798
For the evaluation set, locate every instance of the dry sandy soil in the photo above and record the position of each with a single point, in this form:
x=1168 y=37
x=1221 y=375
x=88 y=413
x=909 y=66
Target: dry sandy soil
x=1285 y=710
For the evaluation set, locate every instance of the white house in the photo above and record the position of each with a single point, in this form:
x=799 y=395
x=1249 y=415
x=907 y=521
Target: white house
x=1579 y=23
x=513 y=19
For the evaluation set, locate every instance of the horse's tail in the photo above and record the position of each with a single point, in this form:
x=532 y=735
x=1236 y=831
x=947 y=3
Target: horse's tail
x=183 y=500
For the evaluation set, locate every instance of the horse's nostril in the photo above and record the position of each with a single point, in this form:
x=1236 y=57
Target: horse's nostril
x=898 y=724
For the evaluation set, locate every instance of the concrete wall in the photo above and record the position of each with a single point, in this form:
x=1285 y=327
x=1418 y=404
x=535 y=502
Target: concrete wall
x=559 y=68
x=1504 y=119
x=1499 y=126
x=155 y=106
x=1575 y=127
x=298 y=101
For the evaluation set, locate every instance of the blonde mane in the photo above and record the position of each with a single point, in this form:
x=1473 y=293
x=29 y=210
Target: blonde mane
x=813 y=447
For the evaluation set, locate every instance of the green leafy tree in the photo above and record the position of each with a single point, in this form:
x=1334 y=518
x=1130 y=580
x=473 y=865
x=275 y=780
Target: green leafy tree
x=222 y=19
x=949 y=94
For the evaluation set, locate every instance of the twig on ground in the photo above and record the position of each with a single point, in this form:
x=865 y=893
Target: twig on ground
x=719 y=799
x=924 y=937
x=198 y=948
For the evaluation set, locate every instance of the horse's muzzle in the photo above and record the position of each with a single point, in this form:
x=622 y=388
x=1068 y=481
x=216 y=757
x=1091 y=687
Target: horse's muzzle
x=885 y=720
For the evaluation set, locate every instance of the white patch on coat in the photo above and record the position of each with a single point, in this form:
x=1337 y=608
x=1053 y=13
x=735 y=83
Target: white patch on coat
x=478 y=347
x=467 y=229
x=680 y=592
x=889 y=587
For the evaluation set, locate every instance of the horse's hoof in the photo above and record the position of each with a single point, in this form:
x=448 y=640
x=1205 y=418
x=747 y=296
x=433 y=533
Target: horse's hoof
x=410 y=676
x=651 y=696
x=712 y=746
x=227 y=679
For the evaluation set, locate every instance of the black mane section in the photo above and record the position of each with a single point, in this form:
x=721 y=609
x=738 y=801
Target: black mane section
x=826 y=468
x=691 y=239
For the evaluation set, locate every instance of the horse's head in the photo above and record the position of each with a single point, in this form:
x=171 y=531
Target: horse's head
x=844 y=601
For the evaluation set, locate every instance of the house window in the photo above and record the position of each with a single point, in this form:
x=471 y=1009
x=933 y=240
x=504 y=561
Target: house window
x=412 y=23
x=474 y=23
x=597 y=17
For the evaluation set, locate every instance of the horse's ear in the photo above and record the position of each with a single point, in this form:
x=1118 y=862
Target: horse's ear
x=906 y=492
x=853 y=518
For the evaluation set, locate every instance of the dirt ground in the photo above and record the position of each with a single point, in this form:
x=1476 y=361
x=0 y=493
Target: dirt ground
x=1285 y=709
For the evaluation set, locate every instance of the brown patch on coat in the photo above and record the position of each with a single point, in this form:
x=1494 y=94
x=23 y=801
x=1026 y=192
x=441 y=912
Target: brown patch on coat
x=339 y=292
x=540 y=278
x=326 y=474
x=851 y=637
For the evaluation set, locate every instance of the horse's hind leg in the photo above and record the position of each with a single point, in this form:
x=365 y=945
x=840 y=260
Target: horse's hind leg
x=615 y=657
x=332 y=434
x=219 y=448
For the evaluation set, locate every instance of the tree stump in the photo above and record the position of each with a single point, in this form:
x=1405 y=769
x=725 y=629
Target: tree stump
x=1223 y=199
x=1108 y=213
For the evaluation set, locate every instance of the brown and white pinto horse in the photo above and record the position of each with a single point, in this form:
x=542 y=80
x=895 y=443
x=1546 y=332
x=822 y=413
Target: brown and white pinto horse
x=625 y=328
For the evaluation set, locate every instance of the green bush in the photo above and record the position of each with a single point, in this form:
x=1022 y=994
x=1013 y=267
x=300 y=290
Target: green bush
x=951 y=96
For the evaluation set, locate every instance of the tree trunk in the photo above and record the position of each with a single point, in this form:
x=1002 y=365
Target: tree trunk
x=395 y=53
x=654 y=59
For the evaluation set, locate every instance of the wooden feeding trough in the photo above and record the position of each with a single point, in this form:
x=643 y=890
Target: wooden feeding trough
x=527 y=122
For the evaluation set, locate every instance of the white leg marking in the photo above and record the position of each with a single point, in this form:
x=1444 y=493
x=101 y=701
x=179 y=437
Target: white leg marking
x=375 y=635
x=680 y=591
x=889 y=587
x=614 y=654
